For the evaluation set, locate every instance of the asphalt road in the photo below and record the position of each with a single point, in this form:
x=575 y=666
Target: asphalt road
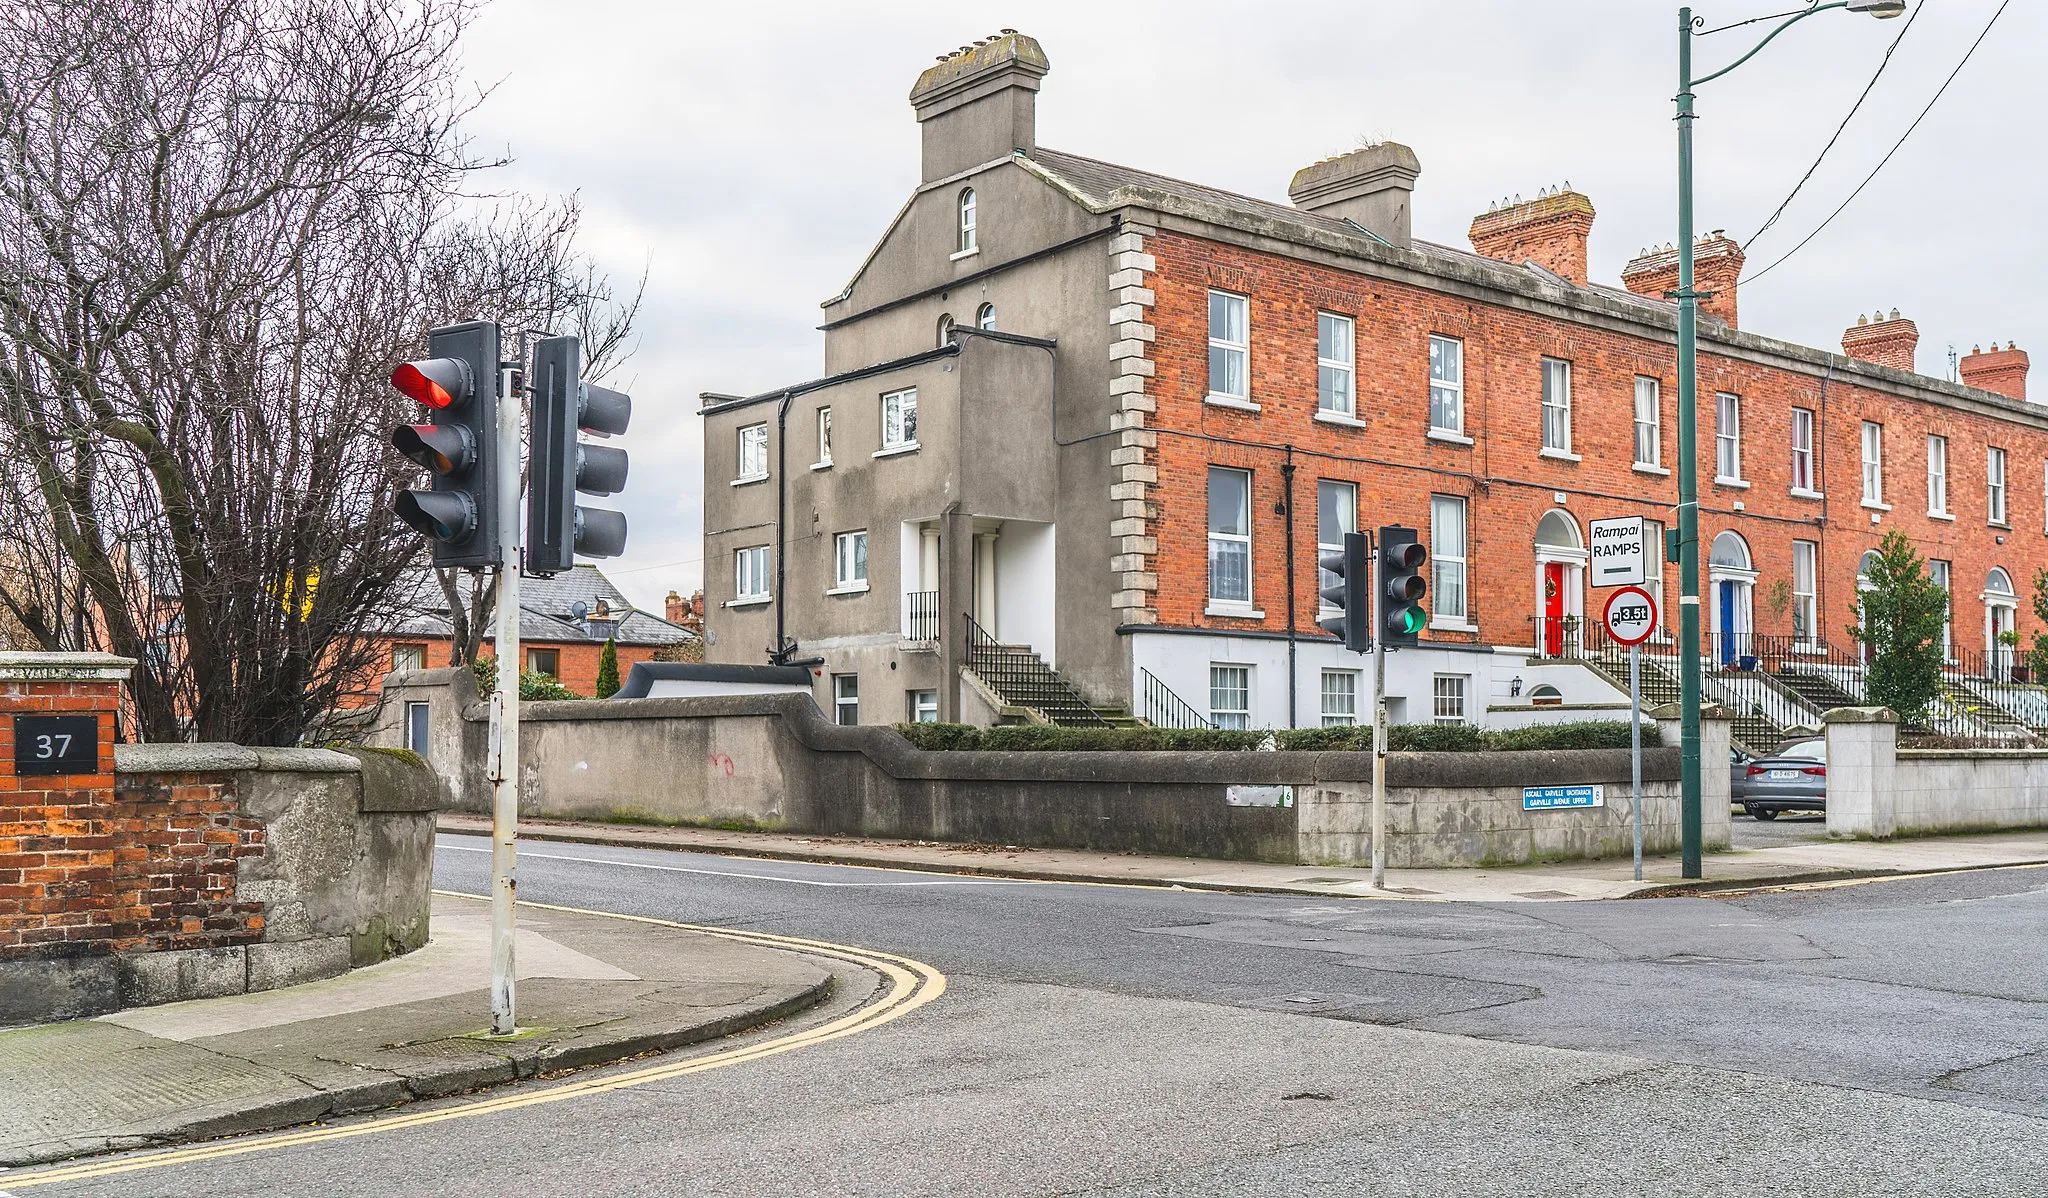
x=1889 y=1038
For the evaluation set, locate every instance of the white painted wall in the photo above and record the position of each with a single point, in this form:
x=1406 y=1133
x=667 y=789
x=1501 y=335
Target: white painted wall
x=690 y=688
x=1024 y=587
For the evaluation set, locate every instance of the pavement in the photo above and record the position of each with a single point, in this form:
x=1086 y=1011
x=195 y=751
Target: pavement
x=591 y=990
x=1787 y=853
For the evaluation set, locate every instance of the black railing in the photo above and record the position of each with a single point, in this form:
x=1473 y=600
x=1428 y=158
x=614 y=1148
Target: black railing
x=1165 y=709
x=1021 y=679
x=921 y=617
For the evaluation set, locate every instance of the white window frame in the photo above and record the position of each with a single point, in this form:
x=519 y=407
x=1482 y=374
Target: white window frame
x=899 y=421
x=1653 y=567
x=1937 y=475
x=967 y=236
x=1727 y=437
x=846 y=699
x=408 y=658
x=1942 y=574
x=985 y=317
x=1443 y=563
x=924 y=707
x=1556 y=406
x=419 y=725
x=1994 y=487
x=1336 y=377
x=1873 y=465
x=1230 y=604
x=1649 y=433
x=752 y=466
x=849 y=562
x=1238 y=717
x=1446 y=393
x=1340 y=704
x=945 y=329
x=824 y=438
x=1803 y=479
x=750 y=581
x=1349 y=508
x=1448 y=694
x=1241 y=350
x=1806 y=556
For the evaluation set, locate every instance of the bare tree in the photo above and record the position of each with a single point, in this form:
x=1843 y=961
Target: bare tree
x=221 y=222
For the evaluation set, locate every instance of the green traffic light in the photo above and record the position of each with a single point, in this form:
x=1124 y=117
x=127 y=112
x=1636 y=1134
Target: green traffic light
x=1410 y=620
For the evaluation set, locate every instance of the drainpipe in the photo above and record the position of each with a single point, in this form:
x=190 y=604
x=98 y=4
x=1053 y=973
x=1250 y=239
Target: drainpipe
x=1287 y=510
x=780 y=652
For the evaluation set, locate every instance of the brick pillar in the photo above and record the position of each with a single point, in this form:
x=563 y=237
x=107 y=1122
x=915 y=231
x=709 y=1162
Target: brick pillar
x=57 y=878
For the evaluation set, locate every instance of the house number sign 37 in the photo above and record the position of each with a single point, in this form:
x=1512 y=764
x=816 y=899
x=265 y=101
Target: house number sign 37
x=56 y=744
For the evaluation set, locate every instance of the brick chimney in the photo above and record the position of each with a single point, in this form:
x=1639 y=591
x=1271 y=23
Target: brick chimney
x=1885 y=340
x=1368 y=186
x=674 y=608
x=686 y=613
x=1716 y=264
x=2001 y=370
x=1550 y=230
x=979 y=103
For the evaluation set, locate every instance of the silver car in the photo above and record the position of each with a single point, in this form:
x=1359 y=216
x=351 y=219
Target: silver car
x=1795 y=778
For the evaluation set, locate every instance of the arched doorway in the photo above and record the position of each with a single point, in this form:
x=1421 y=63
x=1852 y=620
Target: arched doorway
x=1560 y=582
x=1734 y=584
x=2001 y=611
x=1864 y=565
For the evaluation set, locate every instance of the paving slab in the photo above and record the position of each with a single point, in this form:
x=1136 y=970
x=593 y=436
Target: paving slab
x=591 y=990
x=1775 y=864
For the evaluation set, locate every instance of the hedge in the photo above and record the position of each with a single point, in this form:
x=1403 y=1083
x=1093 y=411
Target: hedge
x=1401 y=738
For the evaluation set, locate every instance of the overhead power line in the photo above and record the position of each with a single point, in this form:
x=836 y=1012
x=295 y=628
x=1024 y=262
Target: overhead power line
x=1819 y=158
x=1967 y=55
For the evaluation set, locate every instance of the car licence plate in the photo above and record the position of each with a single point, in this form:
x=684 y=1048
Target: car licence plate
x=1783 y=775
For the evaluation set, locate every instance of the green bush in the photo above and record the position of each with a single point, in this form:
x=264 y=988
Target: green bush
x=1325 y=740
x=1401 y=738
x=1435 y=738
x=1587 y=734
x=608 y=669
x=533 y=688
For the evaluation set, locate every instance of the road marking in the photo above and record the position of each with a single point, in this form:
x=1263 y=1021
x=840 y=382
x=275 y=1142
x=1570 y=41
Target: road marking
x=727 y=873
x=1841 y=883
x=912 y=984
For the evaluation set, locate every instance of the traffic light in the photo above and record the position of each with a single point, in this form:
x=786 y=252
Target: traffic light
x=1401 y=585
x=458 y=385
x=563 y=405
x=1354 y=622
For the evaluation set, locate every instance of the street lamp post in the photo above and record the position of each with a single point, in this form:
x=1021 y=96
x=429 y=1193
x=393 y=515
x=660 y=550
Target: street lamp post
x=1688 y=387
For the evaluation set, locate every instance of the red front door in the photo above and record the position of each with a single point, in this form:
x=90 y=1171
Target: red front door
x=1553 y=609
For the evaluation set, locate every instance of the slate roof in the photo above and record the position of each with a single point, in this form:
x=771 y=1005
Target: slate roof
x=545 y=611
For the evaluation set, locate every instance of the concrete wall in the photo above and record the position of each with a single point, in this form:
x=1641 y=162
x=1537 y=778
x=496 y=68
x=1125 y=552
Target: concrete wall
x=1876 y=789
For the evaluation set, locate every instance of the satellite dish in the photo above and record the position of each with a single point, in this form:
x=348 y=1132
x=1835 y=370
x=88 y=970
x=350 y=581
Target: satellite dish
x=580 y=610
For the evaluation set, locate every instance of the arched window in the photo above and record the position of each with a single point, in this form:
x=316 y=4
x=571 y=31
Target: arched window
x=1557 y=530
x=1730 y=550
x=1864 y=565
x=986 y=317
x=945 y=330
x=967 y=242
x=1998 y=583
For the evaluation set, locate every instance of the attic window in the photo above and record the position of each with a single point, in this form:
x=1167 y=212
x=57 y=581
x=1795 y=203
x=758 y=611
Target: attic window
x=967 y=243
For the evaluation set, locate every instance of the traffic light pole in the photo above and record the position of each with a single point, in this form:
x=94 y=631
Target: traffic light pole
x=1379 y=730
x=504 y=750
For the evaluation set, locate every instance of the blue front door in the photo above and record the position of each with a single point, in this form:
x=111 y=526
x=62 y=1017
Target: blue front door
x=1727 y=623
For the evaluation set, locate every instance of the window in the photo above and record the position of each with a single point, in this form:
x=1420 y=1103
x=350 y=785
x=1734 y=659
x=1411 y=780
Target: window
x=1653 y=565
x=985 y=317
x=418 y=717
x=1802 y=450
x=1229 y=346
x=1335 y=365
x=1805 y=608
x=544 y=661
x=899 y=419
x=1448 y=694
x=1649 y=433
x=850 y=561
x=846 y=699
x=945 y=330
x=1230 y=696
x=924 y=707
x=1336 y=514
x=753 y=453
x=824 y=436
x=1230 y=536
x=1873 y=463
x=750 y=575
x=1938 y=573
x=407 y=658
x=1994 y=485
x=1937 y=476
x=1447 y=557
x=1446 y=384
x=967 y=240
x=1557 y=405
x=1340 y=698
x=1727 y=437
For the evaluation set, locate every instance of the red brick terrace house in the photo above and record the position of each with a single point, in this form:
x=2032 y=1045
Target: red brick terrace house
x=1188 y=392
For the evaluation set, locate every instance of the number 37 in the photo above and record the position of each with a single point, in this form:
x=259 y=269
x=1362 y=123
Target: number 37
x=52 y=744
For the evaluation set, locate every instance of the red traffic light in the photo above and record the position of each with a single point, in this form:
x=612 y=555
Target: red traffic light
x=435 y=382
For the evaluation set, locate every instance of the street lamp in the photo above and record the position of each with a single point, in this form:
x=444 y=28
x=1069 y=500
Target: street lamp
x=1688 y=386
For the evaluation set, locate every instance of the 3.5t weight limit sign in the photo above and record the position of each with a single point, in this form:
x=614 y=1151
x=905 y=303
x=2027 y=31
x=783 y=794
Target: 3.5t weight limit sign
x=1630 y=615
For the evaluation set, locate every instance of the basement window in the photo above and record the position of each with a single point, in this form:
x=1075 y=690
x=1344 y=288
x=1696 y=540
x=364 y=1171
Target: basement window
x=1230 y=696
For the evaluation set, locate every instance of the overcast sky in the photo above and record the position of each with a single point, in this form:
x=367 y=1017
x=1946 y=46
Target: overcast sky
x=748 y=155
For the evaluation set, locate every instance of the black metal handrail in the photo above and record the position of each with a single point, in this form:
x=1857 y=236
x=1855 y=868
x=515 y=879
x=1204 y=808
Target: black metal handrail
x=1021 y=679
x=921 y=616
x=1165 y=709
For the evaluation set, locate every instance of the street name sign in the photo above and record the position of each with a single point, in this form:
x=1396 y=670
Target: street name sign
x=1559 y=798
x=1620 y=551
x=1630 y=615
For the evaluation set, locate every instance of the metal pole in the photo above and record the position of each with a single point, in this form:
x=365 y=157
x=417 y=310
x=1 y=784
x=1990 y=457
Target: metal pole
x=1635 y=748
x=504 y=756
x=1688 y=483
x=1379 y=730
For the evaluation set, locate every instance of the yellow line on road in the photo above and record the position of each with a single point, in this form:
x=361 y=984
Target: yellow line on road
x=911 y=984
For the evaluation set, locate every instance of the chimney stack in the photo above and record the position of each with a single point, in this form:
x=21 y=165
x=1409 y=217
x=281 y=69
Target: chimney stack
x=2003 y=371
x=1368 y=186
x=1550 y=230
x=979 y=103
x=1885 y=340
x=1716 y=265
x=675 y=608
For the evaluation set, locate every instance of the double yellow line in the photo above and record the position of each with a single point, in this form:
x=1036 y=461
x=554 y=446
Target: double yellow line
x=911 y=984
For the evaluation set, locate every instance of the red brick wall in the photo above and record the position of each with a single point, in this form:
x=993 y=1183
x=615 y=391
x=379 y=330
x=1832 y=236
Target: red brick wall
x=1508 y=486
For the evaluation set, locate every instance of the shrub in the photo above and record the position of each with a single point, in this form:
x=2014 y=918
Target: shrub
x=608 y=669
x=533 y=688
x=1900 y=615
x=1402 y=738
x=1319 y=740
x=1587 y=734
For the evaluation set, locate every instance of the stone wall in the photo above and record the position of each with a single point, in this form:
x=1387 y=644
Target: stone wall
x=1876 y=789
